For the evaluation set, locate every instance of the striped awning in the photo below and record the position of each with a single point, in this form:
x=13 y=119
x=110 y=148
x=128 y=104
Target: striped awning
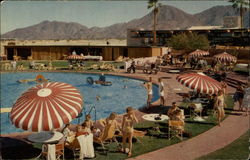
x=46 y=107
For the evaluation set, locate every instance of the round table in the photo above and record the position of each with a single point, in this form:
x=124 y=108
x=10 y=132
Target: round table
x=151 y=117
x=45 y=137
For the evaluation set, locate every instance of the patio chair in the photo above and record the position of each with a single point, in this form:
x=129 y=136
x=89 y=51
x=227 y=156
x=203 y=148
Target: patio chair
x=195 y=109
x=175 y=128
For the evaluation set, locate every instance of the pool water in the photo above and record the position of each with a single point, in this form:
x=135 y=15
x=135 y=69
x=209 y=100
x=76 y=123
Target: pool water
x=114 y=98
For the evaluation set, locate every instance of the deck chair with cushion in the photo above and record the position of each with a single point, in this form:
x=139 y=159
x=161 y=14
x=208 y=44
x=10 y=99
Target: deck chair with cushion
x=74 y=146
x=175 y=129
x=53 y=151
x=106 y=138
x=86 y=146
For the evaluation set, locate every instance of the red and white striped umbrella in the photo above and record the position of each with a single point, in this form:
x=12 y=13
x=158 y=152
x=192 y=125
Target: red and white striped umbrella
x=225 y=57
x=199 y=82
x=46 y=107
x=198 y=53
x=75 y=57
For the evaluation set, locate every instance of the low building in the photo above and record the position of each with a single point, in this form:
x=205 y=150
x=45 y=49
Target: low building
x=215 y=35
x=60 y=49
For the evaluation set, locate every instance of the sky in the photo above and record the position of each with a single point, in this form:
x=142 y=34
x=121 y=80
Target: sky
x=100 y=13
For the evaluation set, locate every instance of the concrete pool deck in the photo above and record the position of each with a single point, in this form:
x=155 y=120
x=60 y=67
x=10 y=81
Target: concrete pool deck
x=217 y=137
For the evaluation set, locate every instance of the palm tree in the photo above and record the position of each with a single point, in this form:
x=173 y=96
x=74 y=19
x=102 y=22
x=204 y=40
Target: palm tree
x=240 y=5
x=153 y=3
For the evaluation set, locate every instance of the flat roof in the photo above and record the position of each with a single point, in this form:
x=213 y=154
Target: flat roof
x=57 y=45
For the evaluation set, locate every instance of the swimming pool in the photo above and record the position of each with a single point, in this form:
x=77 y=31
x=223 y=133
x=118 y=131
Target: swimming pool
x=114 y=98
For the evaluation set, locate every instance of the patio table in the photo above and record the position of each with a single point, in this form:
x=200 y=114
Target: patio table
x=45 y=137
x=155 y=117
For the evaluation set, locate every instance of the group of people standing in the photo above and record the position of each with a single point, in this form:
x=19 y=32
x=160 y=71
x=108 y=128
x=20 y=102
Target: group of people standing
x=149 y=87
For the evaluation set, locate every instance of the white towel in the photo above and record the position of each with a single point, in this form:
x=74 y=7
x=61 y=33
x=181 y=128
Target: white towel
x=51 y=152
x=86 y=146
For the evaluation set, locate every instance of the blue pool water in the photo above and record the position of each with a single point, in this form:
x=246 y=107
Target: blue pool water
x=114 y=98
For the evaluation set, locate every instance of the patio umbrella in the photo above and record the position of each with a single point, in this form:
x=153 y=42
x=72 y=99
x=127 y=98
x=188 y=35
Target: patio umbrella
x=225 y=57
x=198 y=53
x=46 y=107
x=199 y=82
x=75 y=57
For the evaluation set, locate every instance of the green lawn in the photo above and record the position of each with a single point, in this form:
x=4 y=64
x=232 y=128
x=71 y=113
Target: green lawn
x=63 y=64
x=239 y=149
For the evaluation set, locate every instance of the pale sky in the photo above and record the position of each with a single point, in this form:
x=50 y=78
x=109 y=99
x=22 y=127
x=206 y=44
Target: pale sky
x=19 y=14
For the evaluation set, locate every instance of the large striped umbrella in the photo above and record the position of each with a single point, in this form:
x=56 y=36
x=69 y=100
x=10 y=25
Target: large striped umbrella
x=75 y=57
x=225 y=57
x=198 y=53
x=199 y=82
x=46 y=107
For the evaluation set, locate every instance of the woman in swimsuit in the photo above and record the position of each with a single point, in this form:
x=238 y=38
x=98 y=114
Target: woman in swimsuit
x=149 y=88
x=219 y=106
x=127 y=129
x=88 y=121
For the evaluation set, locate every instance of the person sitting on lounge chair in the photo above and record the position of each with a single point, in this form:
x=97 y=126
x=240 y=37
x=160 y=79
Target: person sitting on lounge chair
x=172 y=110
x=108 y=133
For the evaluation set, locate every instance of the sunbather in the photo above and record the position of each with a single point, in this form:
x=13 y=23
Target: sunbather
x=111 y=126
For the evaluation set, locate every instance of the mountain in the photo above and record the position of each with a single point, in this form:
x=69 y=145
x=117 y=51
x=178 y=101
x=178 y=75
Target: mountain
x=214 y=16
x=169 y=17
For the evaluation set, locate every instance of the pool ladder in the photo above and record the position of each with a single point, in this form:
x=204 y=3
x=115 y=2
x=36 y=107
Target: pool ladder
x=84 y=111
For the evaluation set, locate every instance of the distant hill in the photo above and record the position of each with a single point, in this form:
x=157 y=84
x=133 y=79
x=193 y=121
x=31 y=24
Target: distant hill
x=169 y=17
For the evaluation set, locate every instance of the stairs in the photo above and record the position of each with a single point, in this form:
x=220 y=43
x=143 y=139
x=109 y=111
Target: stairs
x=233 y=82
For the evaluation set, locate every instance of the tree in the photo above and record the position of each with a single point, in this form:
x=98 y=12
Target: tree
x=155 y=5
x=240 y=6
x=189 y=42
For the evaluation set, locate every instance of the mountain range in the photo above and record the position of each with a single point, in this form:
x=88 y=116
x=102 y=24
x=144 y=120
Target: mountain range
x=168 y=17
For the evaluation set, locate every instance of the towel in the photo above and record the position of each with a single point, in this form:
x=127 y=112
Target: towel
x=51 y=152
x=86 y=146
